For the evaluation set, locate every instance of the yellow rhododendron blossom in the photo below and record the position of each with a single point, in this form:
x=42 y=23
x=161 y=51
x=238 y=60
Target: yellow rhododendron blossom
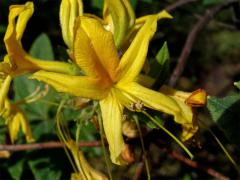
x=118 y=17
x=69 y=11
x=85 y=171
x=195 y=99
x=17 y=61
x=15 y=119
x=113 y=81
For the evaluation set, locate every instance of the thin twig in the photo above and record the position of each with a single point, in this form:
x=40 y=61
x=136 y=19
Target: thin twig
x=47 y=145
x=178 y=4
x=196 y=165
x=192 y=36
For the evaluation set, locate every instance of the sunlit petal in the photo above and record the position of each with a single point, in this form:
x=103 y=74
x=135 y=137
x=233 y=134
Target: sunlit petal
x=85 y=171
x=161 y=15
x=196 y=98
x=112 y=112
x=16 y=120
x=14 y=128
x=155 y=100
x=94 y=48
x=75 y=85
x=133 y=60
x=4 y=88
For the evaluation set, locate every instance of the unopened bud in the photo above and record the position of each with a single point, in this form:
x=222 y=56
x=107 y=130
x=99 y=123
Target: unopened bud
x=69 y=11
x=128 y=154
x=198 y=98
x=129 y=129
x=4 y=154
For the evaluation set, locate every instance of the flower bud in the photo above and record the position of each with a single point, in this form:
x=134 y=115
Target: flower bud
x=69 y=11
x=198 y=98
x=128 y=154
x=129 y=129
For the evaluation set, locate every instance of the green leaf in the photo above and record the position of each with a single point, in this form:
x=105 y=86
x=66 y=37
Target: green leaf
x=163 y=54
x=160 y=67
x=42 y=48
x=16 y=169
x=42 y=169
x=23 y=87
x=133 y=3
x=225 y=112
x=44 y=130
x=97 y=4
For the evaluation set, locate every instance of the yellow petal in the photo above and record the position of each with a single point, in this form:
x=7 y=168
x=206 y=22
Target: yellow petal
x=19 y=60
x=4 y=88
x=140 y=22
x=25 y=126
x=15 y=120
x=6 y=111
x=24 y=12
x=181 y=95
x=14 y=128
x=161 y=15
x=94 y=48
x=86 y=172
x=4 y=154
x=198 y=98
x=155 y=100
x=119 y=15
x=75 y=85
x=188 y=130
x=69 y=11
x=133 y=59
x=112 y=112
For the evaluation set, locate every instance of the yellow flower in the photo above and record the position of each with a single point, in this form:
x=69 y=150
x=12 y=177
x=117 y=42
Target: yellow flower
x=113 y=81
x=69 y=11
x=118 y=17
x=85 y=171
x=195 y=99
x=15 y=119
x=17 y=61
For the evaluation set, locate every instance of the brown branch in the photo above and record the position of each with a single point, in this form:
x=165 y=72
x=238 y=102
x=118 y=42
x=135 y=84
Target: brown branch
x=192 y=36
x=178 y=4
x=47 y=145
x=196 y=165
